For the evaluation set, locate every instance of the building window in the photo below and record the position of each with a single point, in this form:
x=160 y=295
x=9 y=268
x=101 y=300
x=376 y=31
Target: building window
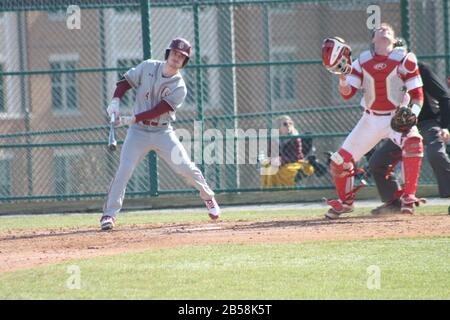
x=283 y=79
x=190 y=77
x=2 y=90
x=65 y=168
x=5 y=178
x=56 y=15
x=64 y=86
x=127 y=101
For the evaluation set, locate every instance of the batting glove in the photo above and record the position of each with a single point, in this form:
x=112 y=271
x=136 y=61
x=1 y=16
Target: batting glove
x=114 y=107
x=127 y=120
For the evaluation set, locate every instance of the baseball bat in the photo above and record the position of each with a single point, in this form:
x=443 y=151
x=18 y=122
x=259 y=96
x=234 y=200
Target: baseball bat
x=112 y=142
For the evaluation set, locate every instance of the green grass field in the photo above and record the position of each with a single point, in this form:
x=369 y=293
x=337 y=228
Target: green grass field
x=409 y=268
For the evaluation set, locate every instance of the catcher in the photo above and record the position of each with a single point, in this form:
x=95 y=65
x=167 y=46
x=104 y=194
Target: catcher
x=381 y=72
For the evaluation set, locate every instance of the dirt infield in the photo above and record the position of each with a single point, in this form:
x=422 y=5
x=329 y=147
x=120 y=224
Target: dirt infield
x=27 y=249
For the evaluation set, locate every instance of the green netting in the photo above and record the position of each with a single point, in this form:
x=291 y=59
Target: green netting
x=252 y=61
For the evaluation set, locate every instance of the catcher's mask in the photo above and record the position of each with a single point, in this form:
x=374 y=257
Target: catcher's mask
x=335 y=52
x=182 y=46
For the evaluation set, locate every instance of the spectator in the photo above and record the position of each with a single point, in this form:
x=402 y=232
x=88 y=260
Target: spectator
x=281 y=170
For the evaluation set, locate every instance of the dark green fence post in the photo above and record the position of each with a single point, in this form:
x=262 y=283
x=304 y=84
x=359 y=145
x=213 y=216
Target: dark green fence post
x=198 y=79
x=228 y=88
x=446 y=38
x=147 y=52
x=109 y=169
x=404 y=8
x=102 y=42
x=23 y=96
x=217 y=171
x=266 y=31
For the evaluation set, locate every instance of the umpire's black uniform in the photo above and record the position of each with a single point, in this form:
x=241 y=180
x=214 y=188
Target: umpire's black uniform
x=435 y=114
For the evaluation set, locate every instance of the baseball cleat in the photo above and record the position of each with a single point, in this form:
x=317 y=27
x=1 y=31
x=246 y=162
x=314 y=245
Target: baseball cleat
x=407 y=208
x=408 y=201
x=389 y=207
x=337 y=208
x=213 y=208
x=107 y=223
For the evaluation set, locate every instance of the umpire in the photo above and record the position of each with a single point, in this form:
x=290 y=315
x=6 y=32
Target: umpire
x=433 y=124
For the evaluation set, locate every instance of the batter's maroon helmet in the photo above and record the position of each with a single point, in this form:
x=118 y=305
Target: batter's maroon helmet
x=182 y=46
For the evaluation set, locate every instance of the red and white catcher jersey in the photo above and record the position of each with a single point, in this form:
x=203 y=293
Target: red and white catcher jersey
x=385 y=78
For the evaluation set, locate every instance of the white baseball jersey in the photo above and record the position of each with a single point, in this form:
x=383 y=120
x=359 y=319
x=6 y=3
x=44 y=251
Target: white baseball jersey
x=383 y=78
x=152 y=87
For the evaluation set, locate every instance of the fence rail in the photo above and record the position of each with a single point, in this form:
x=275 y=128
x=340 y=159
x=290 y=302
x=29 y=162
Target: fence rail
x=253 y=61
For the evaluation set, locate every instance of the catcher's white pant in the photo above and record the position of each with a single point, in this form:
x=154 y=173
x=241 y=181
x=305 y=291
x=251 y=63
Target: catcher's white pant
x=370 y=130
x=139 y=141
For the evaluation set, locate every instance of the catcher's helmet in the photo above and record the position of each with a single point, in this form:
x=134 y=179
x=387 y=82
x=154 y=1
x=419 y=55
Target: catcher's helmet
x=182 y=46
x=336 y=54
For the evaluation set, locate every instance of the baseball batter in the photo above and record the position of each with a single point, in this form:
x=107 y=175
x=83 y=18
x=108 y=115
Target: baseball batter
x=382 y=72
x=160 y=92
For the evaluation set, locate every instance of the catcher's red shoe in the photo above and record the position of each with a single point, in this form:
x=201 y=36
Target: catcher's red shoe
x=337 y=208
x=408 y=203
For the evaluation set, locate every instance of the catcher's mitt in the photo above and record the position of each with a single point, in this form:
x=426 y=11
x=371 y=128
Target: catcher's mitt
x=337 y=55
x=403 y=120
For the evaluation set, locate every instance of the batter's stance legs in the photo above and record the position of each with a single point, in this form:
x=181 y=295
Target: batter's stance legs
x=175 y=155
x=133 y=151
x=170 y=149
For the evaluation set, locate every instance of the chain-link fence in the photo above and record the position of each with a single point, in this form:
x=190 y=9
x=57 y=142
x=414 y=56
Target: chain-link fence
x=252 y=62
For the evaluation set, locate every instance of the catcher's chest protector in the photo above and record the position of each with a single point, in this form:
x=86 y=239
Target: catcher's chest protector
x=381 y=80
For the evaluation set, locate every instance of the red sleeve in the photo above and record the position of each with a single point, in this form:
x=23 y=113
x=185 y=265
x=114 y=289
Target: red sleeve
x=411 y=75
x=122 y=87
x=161 y=108
x=351 y=94
x=417 y=94
x=357 y=74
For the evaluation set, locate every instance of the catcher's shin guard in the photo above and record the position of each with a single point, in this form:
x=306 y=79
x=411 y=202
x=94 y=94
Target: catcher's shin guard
x=343 y=170
x=344 y=185
x=412 y=154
